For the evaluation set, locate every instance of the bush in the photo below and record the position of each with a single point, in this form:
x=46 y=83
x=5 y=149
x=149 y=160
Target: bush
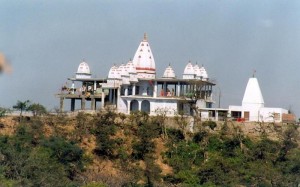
x=211 y=124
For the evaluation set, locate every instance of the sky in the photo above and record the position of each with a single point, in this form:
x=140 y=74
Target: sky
x=45 y=41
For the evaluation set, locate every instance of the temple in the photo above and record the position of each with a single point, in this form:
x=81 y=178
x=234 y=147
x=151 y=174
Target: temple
x=134 y=86
x=253 y=107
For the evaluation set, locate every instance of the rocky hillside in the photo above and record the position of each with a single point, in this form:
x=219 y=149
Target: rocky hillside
x=109 y=149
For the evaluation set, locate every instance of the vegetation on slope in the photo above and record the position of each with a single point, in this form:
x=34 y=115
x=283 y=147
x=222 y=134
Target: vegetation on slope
x=109 y=149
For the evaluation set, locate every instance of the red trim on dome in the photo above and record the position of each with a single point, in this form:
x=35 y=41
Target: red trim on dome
x=145 y=68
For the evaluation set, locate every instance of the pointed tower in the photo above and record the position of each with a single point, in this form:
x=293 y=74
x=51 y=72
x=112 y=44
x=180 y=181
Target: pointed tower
x=253 y=101
x=143 y=60
x=253 y=96
x=169 y=73
x=188 y=72
x=83 y=71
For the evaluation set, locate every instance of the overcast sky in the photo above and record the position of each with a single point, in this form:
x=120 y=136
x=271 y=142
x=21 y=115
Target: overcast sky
x=46 y=40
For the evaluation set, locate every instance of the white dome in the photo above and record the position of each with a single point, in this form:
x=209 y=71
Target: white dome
x=143 y=60
x=203 y=73
x=123 y=70
x=169 y=73
x=197 y=70
x=130 y=67
x=114 y=73
x=83 y=68
x=189 y=69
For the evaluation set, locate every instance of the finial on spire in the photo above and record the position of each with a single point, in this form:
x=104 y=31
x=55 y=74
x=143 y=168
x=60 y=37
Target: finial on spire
x=169 y=64
x=145 y=37
x=254 y=71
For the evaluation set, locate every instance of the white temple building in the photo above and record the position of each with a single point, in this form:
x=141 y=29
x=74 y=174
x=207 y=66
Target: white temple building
x=135 y=86
x=253 y=106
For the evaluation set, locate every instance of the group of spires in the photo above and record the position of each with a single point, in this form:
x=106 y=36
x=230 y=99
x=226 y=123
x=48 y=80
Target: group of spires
x=143 y=66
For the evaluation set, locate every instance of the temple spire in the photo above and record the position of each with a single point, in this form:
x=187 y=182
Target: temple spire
x=254 y=71
x=145 y=37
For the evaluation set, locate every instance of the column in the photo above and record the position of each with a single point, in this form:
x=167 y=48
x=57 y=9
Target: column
x=95 y=86
x=126 y=91
x=133 y=89
x=140 y=105
x=118 y=96
x=109 y=95
x=83 y=103
x=178 y=89
x=155 y=89
x=128 y=106
x=61 y=103
x=93 y=103
x=102 y=99
x=217 y=115
x=72 y=105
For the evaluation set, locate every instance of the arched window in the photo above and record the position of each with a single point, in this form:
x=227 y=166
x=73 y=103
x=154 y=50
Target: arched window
x=134 y=105
x=145 y=106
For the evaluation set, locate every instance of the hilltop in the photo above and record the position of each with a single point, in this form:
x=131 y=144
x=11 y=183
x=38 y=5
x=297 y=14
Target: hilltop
x=110 y=149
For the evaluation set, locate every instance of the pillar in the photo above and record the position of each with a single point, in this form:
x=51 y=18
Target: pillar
x=178 y=89
x=140 y=105
x=61 y=103
x=83 y=103
x=95 y=86
x=93 y=103
x=128 y=106
x=110 y=95
x=118 y=96
x=133 y=89
x=126 y=91
x=72 y=105
x=155 y=89
x=102 y=99
x=217 y=115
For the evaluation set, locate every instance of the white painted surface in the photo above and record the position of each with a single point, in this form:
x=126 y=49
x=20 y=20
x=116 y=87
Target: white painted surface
x=143 y=60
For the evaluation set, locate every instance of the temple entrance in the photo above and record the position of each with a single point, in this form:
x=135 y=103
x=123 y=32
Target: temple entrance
x=134 y=105
x=145 y=106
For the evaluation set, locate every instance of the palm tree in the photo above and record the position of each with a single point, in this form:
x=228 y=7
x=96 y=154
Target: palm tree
x=37 y=109
x=21 y=106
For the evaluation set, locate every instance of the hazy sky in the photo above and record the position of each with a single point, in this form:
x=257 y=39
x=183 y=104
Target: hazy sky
x=46 y=40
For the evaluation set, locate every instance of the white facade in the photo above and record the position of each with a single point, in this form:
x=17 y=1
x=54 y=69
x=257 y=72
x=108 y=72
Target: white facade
x=253 y=108
x=135 y=87
x=143 y=60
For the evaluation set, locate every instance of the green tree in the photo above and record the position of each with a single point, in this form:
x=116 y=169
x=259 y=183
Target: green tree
x=41 y=169
x=22 y=106
x=4 y=111
x=37 y=109
x=66 y=153
x=105 y=127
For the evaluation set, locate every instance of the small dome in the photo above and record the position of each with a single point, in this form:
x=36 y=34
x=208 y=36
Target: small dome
x=114 y=73
x=123 y=70
x=203 y=73
x=189 y=69
x=169 y=73
x=83 y=68
x=197 y=70
x=130 y=67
